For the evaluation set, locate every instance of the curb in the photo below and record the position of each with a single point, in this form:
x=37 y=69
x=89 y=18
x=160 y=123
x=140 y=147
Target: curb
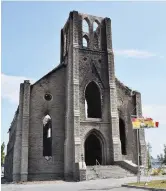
x=144 y=188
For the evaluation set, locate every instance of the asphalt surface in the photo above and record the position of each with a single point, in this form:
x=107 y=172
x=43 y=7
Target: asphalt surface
x=93 y=185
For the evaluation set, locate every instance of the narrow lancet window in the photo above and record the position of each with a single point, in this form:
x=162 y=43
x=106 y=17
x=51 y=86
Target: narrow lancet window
x=122 y=136
x=47 y=136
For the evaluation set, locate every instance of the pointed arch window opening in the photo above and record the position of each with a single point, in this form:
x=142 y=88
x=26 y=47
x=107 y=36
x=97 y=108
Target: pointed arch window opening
x=85 y=26
x=47 y=137
x=93 y=101
x=95 y=26
x=93 y=150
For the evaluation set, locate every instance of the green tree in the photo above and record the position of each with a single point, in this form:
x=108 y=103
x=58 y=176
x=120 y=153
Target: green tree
x=164 y=156
x=160 y=158
x=2 y=153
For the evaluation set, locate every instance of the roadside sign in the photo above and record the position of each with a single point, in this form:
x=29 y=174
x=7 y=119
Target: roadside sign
x=143 y=123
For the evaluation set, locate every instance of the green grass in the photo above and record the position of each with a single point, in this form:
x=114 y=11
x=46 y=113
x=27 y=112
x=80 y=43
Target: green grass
x=151 y=184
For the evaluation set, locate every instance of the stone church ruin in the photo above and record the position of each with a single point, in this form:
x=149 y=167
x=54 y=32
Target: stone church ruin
x=75 y=122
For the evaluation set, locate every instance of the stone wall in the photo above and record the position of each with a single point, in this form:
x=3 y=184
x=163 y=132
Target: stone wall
x=70 y=127
x=89 y=61
x=39 y=168
x=103 y=132
x=129 y=103
x=8 y=169
x=96 y=63
x=126 y=108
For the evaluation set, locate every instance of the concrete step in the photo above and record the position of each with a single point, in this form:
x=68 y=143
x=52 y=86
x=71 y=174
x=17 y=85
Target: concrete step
x=111 y=171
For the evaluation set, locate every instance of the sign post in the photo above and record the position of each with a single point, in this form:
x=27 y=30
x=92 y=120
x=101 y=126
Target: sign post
x=141 y=123
x=138 y=174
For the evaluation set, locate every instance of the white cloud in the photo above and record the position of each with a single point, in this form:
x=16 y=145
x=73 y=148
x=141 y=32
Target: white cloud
x=10 y=86
x=134 y=53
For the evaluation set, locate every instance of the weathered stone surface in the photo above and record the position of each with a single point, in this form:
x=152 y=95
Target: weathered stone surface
x=71 y=126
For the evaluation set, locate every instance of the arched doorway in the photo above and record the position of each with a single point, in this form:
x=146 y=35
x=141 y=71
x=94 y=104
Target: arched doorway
x=93 y=150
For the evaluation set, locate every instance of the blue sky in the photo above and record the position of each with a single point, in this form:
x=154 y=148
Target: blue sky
x=31 y=48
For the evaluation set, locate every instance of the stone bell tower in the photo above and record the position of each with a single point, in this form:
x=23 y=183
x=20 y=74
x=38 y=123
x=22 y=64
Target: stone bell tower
x=78 y=48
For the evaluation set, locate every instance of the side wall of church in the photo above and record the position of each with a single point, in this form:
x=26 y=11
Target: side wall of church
x=39 y=168
x=10 y=149
x=126 y=108
x=8 y=170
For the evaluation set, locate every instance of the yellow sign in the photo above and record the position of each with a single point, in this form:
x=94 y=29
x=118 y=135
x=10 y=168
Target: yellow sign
x=141 y=123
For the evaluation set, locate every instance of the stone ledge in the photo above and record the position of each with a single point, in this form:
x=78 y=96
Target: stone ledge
x=144 y=188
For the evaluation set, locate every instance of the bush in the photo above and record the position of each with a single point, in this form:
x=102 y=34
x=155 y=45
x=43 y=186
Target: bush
x=163 y=172
x=156 y=172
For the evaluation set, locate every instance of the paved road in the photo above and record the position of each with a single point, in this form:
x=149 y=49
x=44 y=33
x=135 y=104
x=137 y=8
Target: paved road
x=93 y=185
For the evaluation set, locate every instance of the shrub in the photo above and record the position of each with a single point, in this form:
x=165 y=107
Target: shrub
x=164 y=172
x=155 y=172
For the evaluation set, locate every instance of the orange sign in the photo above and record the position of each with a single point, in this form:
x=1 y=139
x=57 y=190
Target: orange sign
x=141 y=123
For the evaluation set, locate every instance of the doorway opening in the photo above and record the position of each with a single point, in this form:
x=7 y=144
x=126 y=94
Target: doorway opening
x=93 y=150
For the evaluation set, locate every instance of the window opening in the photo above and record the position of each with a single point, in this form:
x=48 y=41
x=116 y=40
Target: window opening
x=93 y=100
x=47 y=136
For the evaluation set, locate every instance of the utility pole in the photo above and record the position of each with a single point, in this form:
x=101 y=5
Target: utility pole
x=138 y=152
x=149 y=156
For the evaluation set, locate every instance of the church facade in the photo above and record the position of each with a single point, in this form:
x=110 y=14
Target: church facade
x=77 y=114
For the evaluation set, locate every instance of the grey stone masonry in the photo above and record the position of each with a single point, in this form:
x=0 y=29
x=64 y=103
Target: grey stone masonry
x=25 y=131
x=141 y=131
x=111 y=171
x=75 y=82
x=89 y=112
x=69 y=123
x=18 y=139
x=113 y=95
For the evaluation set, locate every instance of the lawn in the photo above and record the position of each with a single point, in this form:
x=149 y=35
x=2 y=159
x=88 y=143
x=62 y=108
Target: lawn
x=151 y=184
